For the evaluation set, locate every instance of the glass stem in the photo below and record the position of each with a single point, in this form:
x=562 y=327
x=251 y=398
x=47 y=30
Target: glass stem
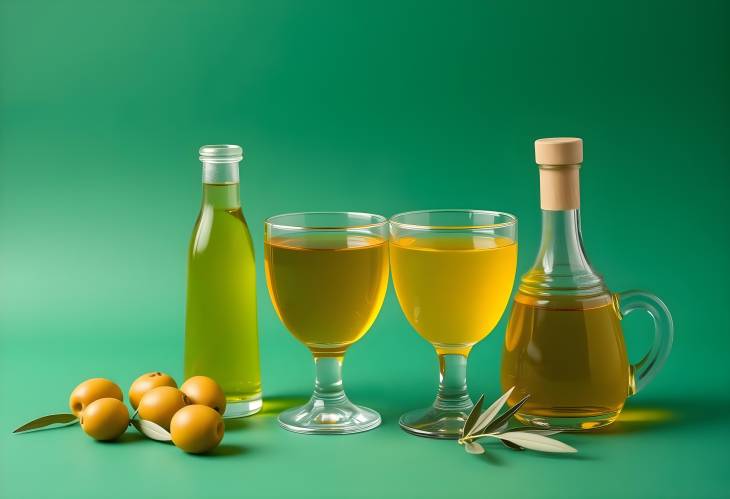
x=328 y=383
x=453 y=394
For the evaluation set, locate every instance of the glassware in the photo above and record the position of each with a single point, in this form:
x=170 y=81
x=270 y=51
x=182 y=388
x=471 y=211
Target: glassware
x=564 y=344
x=327 y=273
x=453 y=272
x=221 y=338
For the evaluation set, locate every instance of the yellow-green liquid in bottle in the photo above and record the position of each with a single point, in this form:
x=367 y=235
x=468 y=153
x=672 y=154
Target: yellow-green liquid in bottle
x=221 y=337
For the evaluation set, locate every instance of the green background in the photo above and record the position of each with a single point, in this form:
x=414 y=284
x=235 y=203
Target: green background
x=376 y=106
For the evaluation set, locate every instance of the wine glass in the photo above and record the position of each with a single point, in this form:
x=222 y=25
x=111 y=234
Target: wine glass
x=453 y=272
x=327 y=273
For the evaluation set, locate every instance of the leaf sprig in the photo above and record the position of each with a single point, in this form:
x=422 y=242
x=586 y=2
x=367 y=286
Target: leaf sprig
x=488 y=425
x=48 y=422
x=147 y=428
x=151 y=430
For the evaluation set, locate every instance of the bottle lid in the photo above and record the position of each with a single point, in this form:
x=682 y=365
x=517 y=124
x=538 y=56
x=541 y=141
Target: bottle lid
x=559 y=151
x=221 y=153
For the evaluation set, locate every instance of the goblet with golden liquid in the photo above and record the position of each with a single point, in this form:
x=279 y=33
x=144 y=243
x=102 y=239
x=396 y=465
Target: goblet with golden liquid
x=327 y=273
x=453 y=272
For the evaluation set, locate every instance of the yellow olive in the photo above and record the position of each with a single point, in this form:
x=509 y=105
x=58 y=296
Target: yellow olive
x=105 y=419
x=197 y=429
x=147 y=382
x=160 y=404
x=90 y=390
x=205 y=391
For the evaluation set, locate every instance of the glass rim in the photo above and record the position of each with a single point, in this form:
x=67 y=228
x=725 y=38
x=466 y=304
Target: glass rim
x=270 y=222
x=511 y=220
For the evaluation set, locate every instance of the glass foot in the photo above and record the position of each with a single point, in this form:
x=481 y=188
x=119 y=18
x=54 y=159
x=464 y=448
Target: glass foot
x=242 y=408
x=337 y=418
x=435 y=423
x=569 y=423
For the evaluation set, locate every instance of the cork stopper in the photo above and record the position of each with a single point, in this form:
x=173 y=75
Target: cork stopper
x=559 y=160
x=559 y=151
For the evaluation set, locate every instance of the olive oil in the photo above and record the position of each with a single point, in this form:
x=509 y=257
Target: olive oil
x=327 y=273
x=221 y=338
x=327 y=288
x=453 y=290
x=453 y=272
x=568 y=353
x=564 y=345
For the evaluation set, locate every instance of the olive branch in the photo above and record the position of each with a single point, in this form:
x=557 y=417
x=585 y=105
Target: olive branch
x=488 y=424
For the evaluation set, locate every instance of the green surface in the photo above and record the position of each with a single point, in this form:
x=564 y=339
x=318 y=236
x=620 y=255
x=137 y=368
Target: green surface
x=380 y=107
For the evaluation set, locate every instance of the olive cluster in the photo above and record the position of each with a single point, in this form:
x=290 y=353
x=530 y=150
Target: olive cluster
x=193 y=414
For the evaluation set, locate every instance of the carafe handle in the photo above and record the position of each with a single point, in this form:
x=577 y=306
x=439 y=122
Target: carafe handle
x=644 y=371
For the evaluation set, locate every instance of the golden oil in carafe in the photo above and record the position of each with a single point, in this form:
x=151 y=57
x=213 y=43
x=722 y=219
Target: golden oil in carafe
x=568 y=354
x=564 y=345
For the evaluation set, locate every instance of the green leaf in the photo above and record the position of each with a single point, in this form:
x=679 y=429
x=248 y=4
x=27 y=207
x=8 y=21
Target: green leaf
x=151 y=430
x=488 y=415
x=473 y=415
x=510 y=445
x=506 y=416
x=517 y=438
x=534 y=441
x=48 y=422
x=474 y=448
x=530 y=429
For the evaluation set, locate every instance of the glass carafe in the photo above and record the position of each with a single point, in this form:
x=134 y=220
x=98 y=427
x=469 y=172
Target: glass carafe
x=221 y=337
x=564 y=344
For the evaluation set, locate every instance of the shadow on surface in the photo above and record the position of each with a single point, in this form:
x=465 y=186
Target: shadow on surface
x=271 y=408
x=128 y=437
x=223 y=450
x=664 y=415
x=577 y=456
x=492 y=458
x=495 y=453
x=237 y=424
x=227 y=450
x=274 y=405
x=656 y=415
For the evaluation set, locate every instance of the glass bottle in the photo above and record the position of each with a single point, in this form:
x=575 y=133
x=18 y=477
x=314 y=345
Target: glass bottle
x=221 y=338
x=564 y=344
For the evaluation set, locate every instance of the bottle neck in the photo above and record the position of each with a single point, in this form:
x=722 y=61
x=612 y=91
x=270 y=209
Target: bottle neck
x=221 y=185
x=221 y=196
x=561 y=264
x=220 y=172
x=561 y=245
